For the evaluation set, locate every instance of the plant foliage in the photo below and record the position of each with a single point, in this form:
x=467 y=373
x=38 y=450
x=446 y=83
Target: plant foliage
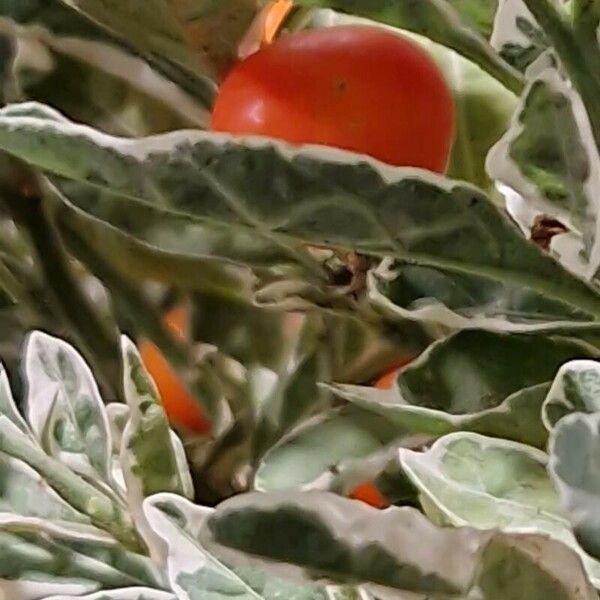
x=306 y=271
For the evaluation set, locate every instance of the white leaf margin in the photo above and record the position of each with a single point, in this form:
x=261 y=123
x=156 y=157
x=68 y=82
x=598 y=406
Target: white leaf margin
x=42 y=403
x=503 y=169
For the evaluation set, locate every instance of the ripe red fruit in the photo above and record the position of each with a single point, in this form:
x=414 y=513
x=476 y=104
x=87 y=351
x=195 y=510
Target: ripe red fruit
x=359 y=88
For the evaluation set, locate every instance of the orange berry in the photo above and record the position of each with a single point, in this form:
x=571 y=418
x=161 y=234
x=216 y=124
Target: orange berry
x=369 y=494
x=387 y=380
x=180 y=406
x=274 y=18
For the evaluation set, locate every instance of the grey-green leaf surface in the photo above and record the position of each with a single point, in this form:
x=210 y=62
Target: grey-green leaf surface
x=200 y=36
x=30 y=588
x=439 y=20
x=469 y=479
x=574 y=460
x=140 y=260
x=153 y=29
x=310 y=194
x=147 y=442
x=397 y=549
x=152 y=456
x=66 y=557
x=118 y=416
x=296 y=393
x=175 y=235
x=450 y=300
x=130 y=593
x=104 y=511
x=549 y=157
x=516 y=35
x=486 y=382
x=8 y=408
x=324 y=446
x=71 y=28
x=576 y=388
x=531 y=567
x=474 y=370
x=9 y=286
x=196 y=573
x=64 y=407
x=94 y=80
x=518 y=417
x=52 y=14
x=479 y=13
x=25 y=492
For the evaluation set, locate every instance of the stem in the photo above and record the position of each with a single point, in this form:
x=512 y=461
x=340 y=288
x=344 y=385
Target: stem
x=577 y=48
x=54 y=262
x=135 y=305
x=586 y=15
x=10 y=285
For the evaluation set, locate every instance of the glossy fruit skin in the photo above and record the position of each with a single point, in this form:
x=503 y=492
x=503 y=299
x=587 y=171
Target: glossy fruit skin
x=180 y=406
x=369 y=494
x=354 y=87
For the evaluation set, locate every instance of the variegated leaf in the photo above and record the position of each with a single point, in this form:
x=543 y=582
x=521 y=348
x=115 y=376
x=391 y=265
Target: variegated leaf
x=468 y=479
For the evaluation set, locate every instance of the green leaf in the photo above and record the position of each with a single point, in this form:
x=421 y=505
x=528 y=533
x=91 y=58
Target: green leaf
x=103 y=85
x=64 y=61
x=438 y=20
x=140 y=261
x=398 y=548
x=32 y=549
x=348 y=593
x=324 y=447
x=72 y=34
x=574 y=455
x=295 y=393
x=52 y=14
x=474 y=380
x=512 y=570
x=480 y=13
x=473 y=370
x=25 y=492
x=576 y=388
x=152 y=449
x=168 y=248
x=47 y=585
x=200 y=38
x=516 y=35
x=314 y=195
x=152 y=456
x=196 y=573
x=468 y=479
x=517 y=417
x=8 y=408
x=118 y=417
x=9 y=286
x=437 y=297
x=549 y=157
x=213 y=29
x=130 y=593
x=105 y=511
x=64 y=407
